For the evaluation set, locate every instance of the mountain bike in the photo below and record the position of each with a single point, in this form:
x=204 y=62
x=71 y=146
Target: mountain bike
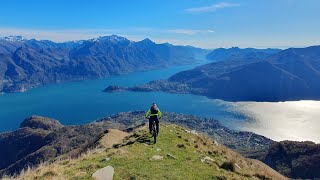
x=154 y=131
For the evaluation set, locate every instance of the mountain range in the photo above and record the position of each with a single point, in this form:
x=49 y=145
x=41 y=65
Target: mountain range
x=291 y=74
x=236 y=53
x=28 y=63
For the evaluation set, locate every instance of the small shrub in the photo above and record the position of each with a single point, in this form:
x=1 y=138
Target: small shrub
x=182 y=146
x=262 y=177
x=229 y=166
x=130 y=142
x=65 y=162
x=221 y=178
x=49 y=174
x=136 y=135
x=116 y=146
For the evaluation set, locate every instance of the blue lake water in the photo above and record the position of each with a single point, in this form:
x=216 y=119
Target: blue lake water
x=83 y=102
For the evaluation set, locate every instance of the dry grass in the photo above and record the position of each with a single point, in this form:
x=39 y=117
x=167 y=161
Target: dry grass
x=125 y=159
x=114 y=136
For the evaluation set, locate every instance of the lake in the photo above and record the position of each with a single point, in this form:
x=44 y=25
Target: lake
x=83 y=102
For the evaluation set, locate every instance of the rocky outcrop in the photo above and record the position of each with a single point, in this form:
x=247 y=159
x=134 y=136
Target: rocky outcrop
x=105 y=173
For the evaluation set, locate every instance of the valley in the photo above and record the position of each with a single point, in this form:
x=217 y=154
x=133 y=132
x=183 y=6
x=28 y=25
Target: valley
x=27 y=63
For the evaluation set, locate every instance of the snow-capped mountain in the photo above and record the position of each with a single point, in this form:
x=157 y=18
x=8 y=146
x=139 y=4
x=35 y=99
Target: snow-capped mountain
x=27 y=63
x=13 y=38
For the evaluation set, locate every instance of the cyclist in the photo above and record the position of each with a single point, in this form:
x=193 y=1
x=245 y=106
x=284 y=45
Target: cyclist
x=154 y=114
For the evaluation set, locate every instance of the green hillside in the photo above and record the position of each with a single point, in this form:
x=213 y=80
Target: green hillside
x=182 y=154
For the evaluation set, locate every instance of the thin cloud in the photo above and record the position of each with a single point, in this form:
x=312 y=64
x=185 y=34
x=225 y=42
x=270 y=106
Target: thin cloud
x=173 y=36
x=189 y=31
x=80 y=34
x=211 y=8
x=178 y=36
x=55 y=35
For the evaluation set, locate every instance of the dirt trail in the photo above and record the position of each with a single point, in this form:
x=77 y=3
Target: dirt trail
x=114 y=136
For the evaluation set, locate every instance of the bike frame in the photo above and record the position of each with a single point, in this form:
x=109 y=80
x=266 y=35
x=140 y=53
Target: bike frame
x=154 y=133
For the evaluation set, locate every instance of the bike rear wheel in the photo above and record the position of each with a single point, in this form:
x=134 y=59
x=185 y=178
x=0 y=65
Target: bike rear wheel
x=155 y=134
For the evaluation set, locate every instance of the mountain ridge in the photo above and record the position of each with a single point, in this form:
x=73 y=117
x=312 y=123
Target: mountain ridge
x=180 y=144
x=236 y=53
x=292 y=74
x=29 y=63
x=48 y=139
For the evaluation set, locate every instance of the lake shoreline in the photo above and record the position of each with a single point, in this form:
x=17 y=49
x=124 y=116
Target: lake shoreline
x=80 y=102
x=180 y=88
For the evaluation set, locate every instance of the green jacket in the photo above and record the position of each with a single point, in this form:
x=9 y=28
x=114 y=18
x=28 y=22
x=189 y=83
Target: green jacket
x=148 y=114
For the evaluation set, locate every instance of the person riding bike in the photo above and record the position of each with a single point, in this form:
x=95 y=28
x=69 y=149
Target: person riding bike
x=154 y=114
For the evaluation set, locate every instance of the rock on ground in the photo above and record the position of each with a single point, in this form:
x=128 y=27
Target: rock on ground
x=156 y=158
x=170 y=156
x=207 y=160
x=105 y=173
x=106 y=159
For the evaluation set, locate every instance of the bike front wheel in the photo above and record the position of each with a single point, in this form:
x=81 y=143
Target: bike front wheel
x=154 y=135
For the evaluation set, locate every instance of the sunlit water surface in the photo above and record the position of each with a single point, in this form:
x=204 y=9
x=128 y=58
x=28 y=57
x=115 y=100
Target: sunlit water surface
x=83 y=102
x=292 y=120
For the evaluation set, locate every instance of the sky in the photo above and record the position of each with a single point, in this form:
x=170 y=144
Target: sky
x=200 y=23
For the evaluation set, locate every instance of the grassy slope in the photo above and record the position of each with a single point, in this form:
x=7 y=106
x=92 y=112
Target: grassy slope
x=133 y=160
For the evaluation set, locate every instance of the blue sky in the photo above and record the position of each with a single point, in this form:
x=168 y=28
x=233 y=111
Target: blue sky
x=202 y=23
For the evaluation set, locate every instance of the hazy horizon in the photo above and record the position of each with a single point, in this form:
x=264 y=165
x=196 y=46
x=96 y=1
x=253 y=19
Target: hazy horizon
x=205 y=24
x=63 y=41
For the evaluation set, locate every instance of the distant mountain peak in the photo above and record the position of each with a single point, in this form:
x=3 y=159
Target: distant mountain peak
x=75 y=41
x=168 y=44
x=146 y=43
x=147 y=40
x=13 y=38
x=113 y=38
